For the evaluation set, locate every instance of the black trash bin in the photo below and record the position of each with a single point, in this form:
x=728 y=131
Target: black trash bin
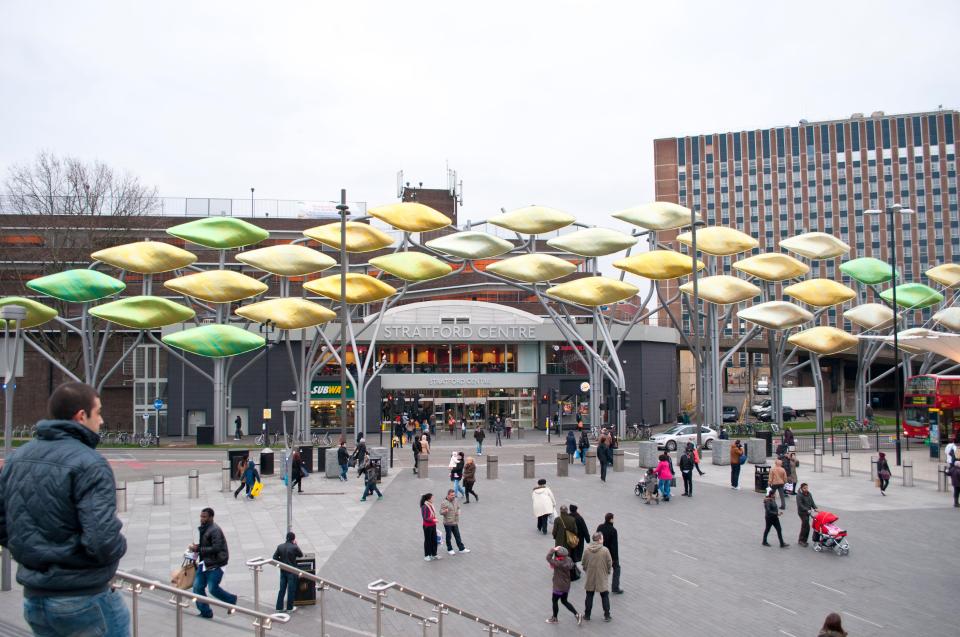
x=204 y=435
x=238 y=462
x=766 y=436
x=376 y=467
x=306 y=588
x=306 y=457
x=266 y=462
x=761 y=478
x=322 y=458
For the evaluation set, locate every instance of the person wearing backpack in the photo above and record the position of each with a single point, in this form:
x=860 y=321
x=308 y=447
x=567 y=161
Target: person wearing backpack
x=583 y=445
x=738 y=457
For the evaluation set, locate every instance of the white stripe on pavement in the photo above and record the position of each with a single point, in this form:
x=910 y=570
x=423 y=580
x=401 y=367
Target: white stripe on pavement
x=687 y=581
x=861 y=619
x=827 y=587
x=792 y=612
x=685 y=555
x=783 y=632
x=678 y=522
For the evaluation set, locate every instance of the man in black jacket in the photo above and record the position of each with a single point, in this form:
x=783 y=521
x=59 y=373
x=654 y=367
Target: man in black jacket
x=343 y=459
x=805 y=506
x=686 y=471
x=613 y=545
x=287 y=553
x=58 y=519
x=212 y=556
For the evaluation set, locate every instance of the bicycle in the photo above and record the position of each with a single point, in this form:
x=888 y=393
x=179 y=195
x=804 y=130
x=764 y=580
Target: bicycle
x=148 y=439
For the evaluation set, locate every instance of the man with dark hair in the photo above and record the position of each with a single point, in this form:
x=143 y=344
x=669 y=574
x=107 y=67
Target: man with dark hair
x=287 y=553
x=212 y=556
x=58 y=519
x=612 y=542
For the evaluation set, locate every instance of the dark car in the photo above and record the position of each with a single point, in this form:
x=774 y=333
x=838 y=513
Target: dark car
x=730 y=413
x=788 y=414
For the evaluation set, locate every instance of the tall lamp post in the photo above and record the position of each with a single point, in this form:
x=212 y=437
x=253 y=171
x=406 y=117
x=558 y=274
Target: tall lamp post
x=288 y=407
x=9 y=314
x=892 y=257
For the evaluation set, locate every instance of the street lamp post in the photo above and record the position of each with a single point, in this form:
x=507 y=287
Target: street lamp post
x=892 y=257
x=15 y=314
x=288 y=407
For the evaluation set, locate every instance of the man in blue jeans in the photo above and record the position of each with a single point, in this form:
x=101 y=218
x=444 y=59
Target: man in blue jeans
x=58 y=519
x=212 y=556
x=287 y=553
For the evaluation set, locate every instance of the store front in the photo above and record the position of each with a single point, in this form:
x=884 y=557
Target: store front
x=325 y=404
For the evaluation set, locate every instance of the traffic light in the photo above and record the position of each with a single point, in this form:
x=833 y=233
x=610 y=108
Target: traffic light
x=624 y=400
x=545 y=399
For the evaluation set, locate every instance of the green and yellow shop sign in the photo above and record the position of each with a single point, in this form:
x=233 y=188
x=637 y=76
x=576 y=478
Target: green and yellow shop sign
x=328 y=390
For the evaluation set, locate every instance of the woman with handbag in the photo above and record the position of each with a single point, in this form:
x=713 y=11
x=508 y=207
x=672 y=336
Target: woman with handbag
x=559 y=560
x=565 y=530
x=250 y=477
x=428 y=515
x=664 y=476
x=883 y=473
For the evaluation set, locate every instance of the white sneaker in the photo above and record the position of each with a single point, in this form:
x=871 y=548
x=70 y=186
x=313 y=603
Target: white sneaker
x=451 y=552
x=427 y=558
x=437 y=557
x=292 y=610
x=465 y=550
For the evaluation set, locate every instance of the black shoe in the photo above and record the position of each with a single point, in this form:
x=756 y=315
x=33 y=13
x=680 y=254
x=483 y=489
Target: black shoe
x=586 y=618
x=619 y=591
x=607 y=618
x=784 y=546
x=766 y=543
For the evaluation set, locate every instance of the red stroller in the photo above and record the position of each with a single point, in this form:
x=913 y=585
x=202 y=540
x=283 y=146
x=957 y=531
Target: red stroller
x=827 y=535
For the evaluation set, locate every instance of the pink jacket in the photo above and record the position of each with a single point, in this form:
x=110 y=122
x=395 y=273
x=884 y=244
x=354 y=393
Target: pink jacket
x=663 y=470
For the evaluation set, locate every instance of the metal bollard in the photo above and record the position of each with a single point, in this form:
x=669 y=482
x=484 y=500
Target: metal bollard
x=493 y=467
x=591 y=461
x=874 y=474
x=908 y=473
x=121 y=497
x=225 y=477
x=845 y=464
x=818 y=460
x=423 y=466
x=158 y=489
x=618 y=460
x=193 y=484
x=942 y=478
x=529 y=468
x=563 y=465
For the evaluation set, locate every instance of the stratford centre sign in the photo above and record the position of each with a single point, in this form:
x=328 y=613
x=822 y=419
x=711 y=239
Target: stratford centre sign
x=498 y=333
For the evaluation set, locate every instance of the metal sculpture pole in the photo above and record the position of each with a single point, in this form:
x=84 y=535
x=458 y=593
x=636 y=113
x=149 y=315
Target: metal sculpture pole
x=344 y=315
x=8 y=314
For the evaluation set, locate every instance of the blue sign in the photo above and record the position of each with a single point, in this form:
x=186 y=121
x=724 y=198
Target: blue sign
x=158 y=404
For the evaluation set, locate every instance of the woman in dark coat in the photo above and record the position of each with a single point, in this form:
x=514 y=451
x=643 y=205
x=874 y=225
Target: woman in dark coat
x=583 y=446
x=296 y=469
x=883 y=472
x=576 y=554
x=571 y=444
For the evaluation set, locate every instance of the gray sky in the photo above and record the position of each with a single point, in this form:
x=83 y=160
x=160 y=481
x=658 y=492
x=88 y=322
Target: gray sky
x=555 y=103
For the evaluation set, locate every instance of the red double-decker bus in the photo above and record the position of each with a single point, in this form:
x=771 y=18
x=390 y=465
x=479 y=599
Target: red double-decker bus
x=932 y=400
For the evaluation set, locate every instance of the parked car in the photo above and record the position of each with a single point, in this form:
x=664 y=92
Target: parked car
x=763 y=405
x=765 y=414
x=762 y=387
x=730 y=413
x=680 y=435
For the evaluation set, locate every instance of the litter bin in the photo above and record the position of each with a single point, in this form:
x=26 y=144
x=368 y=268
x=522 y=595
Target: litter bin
x=238 y=462
x=306 y=457
x=761 y=478
x=306 y=588
x=266 y=462
x=767 y=437
x=376 y=467
x=204 y=435
x=322 y=458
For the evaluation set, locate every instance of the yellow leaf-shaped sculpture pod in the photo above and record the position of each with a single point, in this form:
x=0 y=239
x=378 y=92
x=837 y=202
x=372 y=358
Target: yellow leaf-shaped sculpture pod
x=722 y=289
x=947 y=275
x=870 y=316
x=412 y=266
x=658 y=265
x=287 y=313
x=361 y=237
x=471 y=244
x=532 y=268
x=775 y=315
x=287 y=260
x=774 y=266
x=593 y=242
x=949 y=318
x=658 y=215
x=823 y=340
x=145 y=257
x=411 y=216
x=815 y=245
x=361 y=288
x=593 y=291
x=533 y=220
x=217 y=286
x=37 y=313
x=820 y=292
x=719 y=241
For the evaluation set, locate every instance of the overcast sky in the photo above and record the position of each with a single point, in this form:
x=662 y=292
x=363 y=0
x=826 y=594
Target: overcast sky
x=555 y=103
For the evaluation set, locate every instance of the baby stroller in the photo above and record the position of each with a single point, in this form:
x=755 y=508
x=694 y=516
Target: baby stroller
x=650 y=493
x=827 y=535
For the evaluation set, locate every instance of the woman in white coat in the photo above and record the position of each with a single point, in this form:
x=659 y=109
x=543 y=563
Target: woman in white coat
x=544 y=505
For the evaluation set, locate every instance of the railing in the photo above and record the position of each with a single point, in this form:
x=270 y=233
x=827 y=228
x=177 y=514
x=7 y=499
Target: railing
x=262 y=622
x=256 y=565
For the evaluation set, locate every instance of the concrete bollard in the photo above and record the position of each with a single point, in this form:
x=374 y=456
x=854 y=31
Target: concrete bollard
x=493 y=467
x=423 y=466
x=193 y=484
x=331 y=468
x=845 y=464
x=908 y=473
x=158 y=489
x=618 y=460
x=648 y=454
x=942 y=478
x=591 y=461
x=818 y=460
x=121 y=497
x=874 y=474
x=720 y=452
x=563 y=465
x=529 y=466
x=864 y=441
x=225 y=477
x=757 y=451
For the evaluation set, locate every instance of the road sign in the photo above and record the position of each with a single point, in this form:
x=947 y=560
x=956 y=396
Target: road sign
x=158 y=404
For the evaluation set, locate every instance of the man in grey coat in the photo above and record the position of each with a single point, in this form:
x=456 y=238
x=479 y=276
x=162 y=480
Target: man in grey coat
x=597 y=565
x=805 y=506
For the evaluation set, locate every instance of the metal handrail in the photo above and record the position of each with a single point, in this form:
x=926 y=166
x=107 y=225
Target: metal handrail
x=256 y=565
x=443 y=608
x=262 y=622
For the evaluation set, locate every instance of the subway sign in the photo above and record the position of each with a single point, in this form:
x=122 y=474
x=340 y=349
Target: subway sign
x=320 y=390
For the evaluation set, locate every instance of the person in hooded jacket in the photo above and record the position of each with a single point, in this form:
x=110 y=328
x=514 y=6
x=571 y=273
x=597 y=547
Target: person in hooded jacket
x=597 y=565
x=559 y=560
x=583 y=532
x=469 y=479
x=250 y=477
x=561 y=525
x=58 y=520
x=544 y=504
x=583 y=445
x=571 y=445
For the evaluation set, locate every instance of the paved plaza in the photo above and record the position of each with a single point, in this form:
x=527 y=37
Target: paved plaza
x=690 y=567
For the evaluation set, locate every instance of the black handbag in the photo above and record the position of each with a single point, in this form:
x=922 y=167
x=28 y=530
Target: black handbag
x=574 y=573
